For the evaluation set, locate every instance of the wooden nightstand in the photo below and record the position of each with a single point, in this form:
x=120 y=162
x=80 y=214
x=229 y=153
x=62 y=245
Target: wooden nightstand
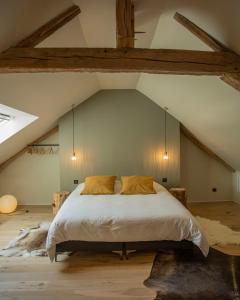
x=180 y=194
x=58 y=199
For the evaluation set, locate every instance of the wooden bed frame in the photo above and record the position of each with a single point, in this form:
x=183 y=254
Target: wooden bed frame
x=122 y=247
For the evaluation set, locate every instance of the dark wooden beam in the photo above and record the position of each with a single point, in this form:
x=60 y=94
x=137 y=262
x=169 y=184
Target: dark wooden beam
x=25 y=149
x=200 y=33
x=49 y=28
x=231 y=79
x=188 y=134
x=132 y=25
x=125 y=23
x=27 y=60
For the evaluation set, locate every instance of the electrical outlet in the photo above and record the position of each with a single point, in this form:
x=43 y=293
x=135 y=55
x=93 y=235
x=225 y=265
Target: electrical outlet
x=214 y=190
x=164 y=179
x=75 y=181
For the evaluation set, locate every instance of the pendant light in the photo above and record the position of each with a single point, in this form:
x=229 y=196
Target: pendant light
x=165 y=156
x=73 y=148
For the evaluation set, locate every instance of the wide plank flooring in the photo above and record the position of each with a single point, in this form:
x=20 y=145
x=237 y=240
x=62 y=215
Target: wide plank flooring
x=86 y=276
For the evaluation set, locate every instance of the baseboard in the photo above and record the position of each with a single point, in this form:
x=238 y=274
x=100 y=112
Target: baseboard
x=210 y=201
x=34 y=204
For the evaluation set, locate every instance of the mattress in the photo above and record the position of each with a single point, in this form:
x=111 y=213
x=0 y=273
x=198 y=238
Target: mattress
x=124 y=218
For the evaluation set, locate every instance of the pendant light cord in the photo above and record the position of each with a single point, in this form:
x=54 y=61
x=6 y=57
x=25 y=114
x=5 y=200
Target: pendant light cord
x=73 y=129
x=165 y=126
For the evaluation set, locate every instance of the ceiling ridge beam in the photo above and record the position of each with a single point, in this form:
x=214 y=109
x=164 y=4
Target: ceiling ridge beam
x=124 y=24
x=49 y=28
x=188 y=134
x=231 y=79
x=25 y=149
x=156 y=61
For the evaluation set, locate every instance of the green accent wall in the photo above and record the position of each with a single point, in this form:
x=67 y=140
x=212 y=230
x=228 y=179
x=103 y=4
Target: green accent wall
x=118 y=132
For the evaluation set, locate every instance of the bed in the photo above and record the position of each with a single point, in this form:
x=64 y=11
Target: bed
x=120 y=220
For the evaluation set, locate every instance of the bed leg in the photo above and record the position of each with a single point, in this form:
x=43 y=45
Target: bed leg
x=124 y=250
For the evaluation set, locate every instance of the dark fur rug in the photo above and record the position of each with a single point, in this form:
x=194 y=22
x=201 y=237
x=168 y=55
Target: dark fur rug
x=184 y=274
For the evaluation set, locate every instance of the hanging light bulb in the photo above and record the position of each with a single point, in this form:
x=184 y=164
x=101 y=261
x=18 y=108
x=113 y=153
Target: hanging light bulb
x=74 y=157
x=165 y=156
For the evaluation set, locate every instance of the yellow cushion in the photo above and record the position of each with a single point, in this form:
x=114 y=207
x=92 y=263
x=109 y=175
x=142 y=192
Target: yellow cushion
x=133 y=185
x=99 y=185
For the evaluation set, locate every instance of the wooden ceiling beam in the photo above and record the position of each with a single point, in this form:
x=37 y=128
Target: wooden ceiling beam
x=132 y=25
x=125 y=24
x=231 y=79
x=25 y=149
x=49 y=28
x=188 y=134
x=156 y=61
x=200 y=33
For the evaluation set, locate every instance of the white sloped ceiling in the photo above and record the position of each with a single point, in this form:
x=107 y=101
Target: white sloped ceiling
x=206 y=105
x=45 y=95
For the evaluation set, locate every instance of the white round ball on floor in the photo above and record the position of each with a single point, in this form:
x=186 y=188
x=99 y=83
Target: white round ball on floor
x=8 y=203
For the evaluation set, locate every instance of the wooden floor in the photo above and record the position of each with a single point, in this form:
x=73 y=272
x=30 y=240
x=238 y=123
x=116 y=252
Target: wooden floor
x=227 y=213
x=86 y=276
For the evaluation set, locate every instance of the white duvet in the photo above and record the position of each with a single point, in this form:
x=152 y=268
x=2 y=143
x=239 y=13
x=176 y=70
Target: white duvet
x=124 y=218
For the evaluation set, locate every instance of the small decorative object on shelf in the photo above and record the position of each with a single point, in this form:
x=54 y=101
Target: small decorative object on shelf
x=180 y=194
x=58 y=199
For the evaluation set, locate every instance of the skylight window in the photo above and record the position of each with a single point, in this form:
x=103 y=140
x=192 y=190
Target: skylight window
x=12 y=121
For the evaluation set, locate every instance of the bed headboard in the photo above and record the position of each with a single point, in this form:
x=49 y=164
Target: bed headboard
x=119 y=132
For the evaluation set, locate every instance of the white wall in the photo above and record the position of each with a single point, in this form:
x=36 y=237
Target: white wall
x=112 y=138
x=236 y=186
x=200 y=173
x=32 y=178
